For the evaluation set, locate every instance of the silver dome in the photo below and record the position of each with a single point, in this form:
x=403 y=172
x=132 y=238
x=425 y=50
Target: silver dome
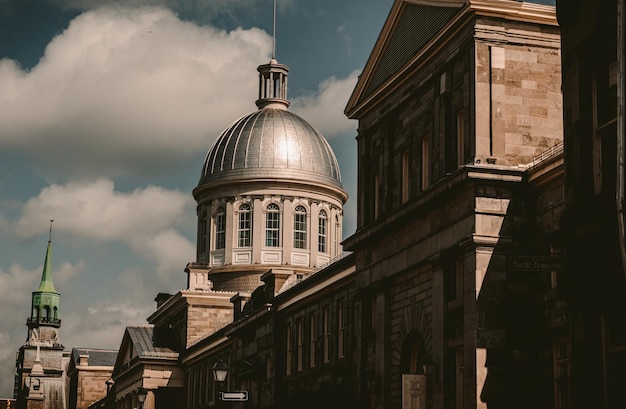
x=271 y=143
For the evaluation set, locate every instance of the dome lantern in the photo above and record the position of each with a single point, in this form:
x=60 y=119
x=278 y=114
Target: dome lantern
x=272 y=85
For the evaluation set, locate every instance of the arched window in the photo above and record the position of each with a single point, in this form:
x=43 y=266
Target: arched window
x=245 y=226
x=321 y=232
x=203 y=231
x=272 y=226
x=46 y=312
x=56 y=313
x=220 y=229
x=299 y=228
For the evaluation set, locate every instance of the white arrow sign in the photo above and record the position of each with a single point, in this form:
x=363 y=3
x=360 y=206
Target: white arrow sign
x=235 y=396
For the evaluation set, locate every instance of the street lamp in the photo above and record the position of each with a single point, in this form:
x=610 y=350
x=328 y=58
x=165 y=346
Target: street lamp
x=141 y=396
x=220 y=371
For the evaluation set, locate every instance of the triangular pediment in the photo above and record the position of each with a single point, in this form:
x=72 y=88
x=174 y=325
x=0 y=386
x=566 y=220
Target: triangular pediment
x=410 y=26
x=126 y=353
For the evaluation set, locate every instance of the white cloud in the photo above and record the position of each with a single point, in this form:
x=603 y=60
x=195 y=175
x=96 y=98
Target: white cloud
x=127 y=89
x=144 y=218
x=324 y=109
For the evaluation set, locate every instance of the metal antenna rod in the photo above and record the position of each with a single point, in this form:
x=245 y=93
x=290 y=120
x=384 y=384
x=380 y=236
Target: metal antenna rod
x=274 y=34
x=50 y=236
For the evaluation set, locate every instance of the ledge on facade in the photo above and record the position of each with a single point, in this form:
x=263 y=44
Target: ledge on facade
x=465 y=174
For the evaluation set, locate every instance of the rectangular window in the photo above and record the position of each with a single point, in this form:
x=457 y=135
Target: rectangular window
x=313 y=344
x=562 y=356
x=459 y=273
x=322 y=223
x=289 y=350
x=220 y=229
x=245 y=226
x=460 y=137
x=203 y=231
x=341 y=324
x=376 y=196
x=459 y=377
x=326 y=333
x=405 y=176
x=300 y=340
x=425 y=162
x=299 y=228
x=272 y=226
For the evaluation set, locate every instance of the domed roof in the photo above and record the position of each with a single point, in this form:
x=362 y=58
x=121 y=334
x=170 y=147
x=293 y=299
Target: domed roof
x=271 y=143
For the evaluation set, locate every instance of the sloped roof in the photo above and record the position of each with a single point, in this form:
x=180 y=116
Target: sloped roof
x=138 y=343
x=142 y=339
x=416 y=27
x=97 y=357
x=417 y=24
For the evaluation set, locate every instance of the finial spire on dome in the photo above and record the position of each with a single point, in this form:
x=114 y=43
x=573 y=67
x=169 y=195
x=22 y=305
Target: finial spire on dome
x=274 y=34
x=273 y=80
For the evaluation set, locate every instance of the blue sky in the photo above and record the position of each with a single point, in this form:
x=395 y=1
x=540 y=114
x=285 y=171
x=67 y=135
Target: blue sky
x=107 y=108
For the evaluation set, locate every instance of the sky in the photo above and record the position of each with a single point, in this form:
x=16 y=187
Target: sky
x=107 y=110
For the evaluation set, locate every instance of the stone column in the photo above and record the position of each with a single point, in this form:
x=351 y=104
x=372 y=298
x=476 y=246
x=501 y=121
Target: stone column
x=258 y=229
x=287 y=229
x=313 y=225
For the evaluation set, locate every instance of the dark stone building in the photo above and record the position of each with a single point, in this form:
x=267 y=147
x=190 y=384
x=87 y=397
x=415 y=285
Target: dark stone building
x=593 y=224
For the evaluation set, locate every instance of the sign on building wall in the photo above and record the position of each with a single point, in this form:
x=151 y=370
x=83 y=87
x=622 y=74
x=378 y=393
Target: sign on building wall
x=413 y=391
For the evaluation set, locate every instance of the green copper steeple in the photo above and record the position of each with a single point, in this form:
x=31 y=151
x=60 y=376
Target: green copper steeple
x=46 y=278
x=46 y=300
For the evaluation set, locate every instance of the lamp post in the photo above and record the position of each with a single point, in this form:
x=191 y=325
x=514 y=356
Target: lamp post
x=141 y=396
x=220 y=372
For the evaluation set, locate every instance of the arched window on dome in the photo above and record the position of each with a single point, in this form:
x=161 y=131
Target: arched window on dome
x=203 y=231
x=272 y=226
x=220 y=229
x=244 y=231
x=46 y=313
x=337 y=233
x=322 y=231
x=299 y=228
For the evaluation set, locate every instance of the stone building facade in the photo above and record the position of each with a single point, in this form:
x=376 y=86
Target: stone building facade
x=593 y=224
x=468 y=283
x=451 y=117
x=88 y=376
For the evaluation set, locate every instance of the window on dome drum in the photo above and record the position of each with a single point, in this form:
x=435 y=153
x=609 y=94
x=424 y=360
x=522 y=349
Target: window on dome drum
x=272 y=226
x=299 y=228
x=203 y=231
x=321 y=241
x=220 y=229
x=245 y=226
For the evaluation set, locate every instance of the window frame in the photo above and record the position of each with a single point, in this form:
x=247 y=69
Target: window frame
x=244 y=226
x=322 y=232
x=272 y=225
x=220 y=228
x=300 y=227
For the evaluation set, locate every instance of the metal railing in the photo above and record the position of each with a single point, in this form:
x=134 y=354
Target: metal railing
x=547 y=154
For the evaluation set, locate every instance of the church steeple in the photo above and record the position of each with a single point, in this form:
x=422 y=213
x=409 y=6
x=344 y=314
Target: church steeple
x=45 y=302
